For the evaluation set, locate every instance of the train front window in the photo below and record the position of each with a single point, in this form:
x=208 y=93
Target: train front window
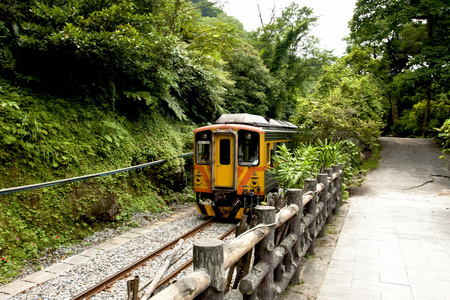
x=248 y=148
x=225 y=152
x=203 y=147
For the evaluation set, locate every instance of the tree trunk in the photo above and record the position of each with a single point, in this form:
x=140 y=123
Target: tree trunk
x=394 y=109
x=426 y=119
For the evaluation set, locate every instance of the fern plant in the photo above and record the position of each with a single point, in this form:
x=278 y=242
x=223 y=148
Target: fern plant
x=292 y=167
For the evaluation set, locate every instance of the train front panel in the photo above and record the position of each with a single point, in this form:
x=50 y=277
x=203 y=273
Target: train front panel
x=229 y=169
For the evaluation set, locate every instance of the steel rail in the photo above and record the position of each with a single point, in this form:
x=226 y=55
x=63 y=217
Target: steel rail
x=125 y=271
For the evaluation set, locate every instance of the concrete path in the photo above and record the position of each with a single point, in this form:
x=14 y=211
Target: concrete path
x=395 y=242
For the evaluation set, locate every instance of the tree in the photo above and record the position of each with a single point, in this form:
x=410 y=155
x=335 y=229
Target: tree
x=129 y=55
x=406 y=36
x=344 y=105
x=254 y=86
x=290 y=53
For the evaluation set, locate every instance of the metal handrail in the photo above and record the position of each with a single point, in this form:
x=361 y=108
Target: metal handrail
x=56 y=182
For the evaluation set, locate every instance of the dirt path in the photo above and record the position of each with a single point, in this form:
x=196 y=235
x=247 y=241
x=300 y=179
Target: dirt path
x=408 y=167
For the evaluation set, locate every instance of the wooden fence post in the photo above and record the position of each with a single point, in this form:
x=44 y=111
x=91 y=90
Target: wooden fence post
x=264 y=250
x=294 y=196
x=323 y=200
x=341 y=182
x=133 y=288
x=338 y=186
x=208 y=256
x=310 y=187
x=330 y=204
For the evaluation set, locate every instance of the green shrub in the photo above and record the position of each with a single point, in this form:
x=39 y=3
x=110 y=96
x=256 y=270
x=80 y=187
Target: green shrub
x=411 y=121
x=444 y=136
x=307 y=160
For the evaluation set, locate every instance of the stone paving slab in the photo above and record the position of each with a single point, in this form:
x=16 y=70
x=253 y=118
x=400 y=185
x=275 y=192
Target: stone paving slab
x=106 y=246
x=120 y=240
x=76 y=260
x=131 y=235
x=4 y=296
x=92 y=252
x=16 y=287
x=59 y=268
x=141 y=231
x=39 y=277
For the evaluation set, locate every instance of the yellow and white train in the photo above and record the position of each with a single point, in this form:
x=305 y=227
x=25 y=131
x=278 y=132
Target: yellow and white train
x=231 y=162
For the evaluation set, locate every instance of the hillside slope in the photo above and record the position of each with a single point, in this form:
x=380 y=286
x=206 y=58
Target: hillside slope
x=43 y=138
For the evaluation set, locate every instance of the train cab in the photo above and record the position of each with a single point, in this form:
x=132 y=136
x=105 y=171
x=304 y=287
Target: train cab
x=231 y=163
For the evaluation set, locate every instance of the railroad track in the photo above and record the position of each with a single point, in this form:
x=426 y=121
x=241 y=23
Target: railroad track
x=123 y=273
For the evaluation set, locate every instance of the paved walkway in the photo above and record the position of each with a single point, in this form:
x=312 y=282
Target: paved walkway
x=395 y=242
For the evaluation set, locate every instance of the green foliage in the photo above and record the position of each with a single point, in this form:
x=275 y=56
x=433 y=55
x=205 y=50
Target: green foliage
x=255 y=88
x=444 y=136
x=43 y=138
x=410 y=42
x=290 y=53
x=122 y=53
x=344 y=105
x=40 y=133
x=410 y=123
x=292 y=167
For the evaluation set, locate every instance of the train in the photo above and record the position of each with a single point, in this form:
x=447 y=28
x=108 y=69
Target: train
x=232 y=158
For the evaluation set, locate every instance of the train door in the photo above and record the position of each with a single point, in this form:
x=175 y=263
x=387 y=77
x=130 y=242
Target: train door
x=224 y=160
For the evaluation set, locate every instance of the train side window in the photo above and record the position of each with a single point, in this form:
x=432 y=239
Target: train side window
x=203 y=152
x=203 y=148
x=268 y=154
x=273 y=151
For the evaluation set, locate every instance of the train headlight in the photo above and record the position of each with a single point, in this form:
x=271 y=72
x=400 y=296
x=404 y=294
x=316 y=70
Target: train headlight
x=254 y=183
x=198 y=180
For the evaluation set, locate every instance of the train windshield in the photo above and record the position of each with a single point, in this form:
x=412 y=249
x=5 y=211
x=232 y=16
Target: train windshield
x=248 y=148
x=203 y=147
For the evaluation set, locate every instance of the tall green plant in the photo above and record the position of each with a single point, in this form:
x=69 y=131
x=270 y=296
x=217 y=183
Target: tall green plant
x=331 y=153
x=292 y=167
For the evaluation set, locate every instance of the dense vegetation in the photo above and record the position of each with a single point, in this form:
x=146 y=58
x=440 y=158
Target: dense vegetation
x=89 y=86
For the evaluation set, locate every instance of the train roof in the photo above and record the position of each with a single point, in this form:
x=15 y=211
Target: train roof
x=254 y=120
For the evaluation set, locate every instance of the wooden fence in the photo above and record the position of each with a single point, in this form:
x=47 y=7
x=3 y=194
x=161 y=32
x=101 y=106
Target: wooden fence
x=263 y=260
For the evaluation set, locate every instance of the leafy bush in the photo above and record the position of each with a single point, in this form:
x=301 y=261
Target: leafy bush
x=444 y=136
x=307 y=160
x=411 y=121
x=344 y=105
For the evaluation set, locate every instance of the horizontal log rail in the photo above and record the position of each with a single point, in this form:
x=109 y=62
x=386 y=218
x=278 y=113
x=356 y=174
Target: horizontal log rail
x=278 y=243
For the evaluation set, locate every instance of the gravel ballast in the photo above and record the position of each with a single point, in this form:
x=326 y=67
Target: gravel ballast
x=126 y=246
